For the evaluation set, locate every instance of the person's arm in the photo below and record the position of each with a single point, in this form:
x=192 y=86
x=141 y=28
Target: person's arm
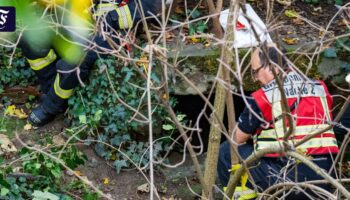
x=242 y=137
x=248 y=123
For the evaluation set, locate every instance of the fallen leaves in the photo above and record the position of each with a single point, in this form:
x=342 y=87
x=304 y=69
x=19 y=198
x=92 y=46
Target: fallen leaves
x=171 y=198
x=298 y=21
x=290 y=41
x=144 y=188
x=143 y=62
x=6 y=146
x=14 y=112
x=105 y=181
x=27 y=127
x=285 y=2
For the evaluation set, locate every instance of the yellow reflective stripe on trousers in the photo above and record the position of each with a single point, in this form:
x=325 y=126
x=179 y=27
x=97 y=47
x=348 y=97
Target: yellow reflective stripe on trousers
x=62 y=93
x=124 y=17
x=40 y=63
x=312 y=143
x=103 y=8
x=299 y=130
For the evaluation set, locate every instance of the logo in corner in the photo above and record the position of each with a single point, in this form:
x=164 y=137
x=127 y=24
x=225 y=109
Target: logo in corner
x=7 y=19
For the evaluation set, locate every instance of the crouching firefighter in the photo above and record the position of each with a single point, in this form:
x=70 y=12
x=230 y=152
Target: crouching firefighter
x=310 y=104
x=58 y=75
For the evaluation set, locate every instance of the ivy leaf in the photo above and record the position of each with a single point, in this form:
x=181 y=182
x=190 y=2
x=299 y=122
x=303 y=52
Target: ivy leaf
x=4 y=192
x=82 y=119
x=195 y=13
x=119 y=164
x=98 y=115
x=180 y=117
x=201 y=27
x=167 y=127
x=330 y=53
x=39 y=195
x=56 y=171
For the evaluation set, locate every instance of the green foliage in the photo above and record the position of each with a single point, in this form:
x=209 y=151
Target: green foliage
x=340 y=55
x=99 y=106
x=18 y=73
x=196 y=27
x=337 y=2
x=44 y=175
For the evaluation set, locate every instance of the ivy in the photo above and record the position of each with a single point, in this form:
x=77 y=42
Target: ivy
x=110 y=121
x=19 y=73
x=44 y=174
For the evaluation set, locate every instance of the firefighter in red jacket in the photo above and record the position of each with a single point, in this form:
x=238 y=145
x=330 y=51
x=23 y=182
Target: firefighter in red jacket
x=311 y=107
x=58 y=76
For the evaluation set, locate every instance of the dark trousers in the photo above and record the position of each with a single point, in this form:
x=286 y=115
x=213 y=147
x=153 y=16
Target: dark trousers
x=52 y=103
x=270 y=171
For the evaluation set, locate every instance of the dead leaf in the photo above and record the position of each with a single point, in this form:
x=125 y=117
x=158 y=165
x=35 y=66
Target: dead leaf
x=105 y=181
x=78 y=173
x=322 y=32
x=298 y=21
x=58 y=140
x=6 y=146
x=169 y=35
x=171 y=198
x=290 y=41
x=143 y=62
x=342 y=22
x=27 y=127
x=194 y=39
x=144 y=188
x=318 y=9
x=165 y=96
x=179 y=10
x=285 y=2
x=14 y=112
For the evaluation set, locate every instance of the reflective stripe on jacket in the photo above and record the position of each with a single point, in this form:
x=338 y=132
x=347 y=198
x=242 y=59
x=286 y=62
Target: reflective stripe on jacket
x=311 y=114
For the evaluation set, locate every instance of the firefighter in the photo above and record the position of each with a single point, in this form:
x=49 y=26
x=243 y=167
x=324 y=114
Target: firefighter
x=311 y=107
x=58 y=76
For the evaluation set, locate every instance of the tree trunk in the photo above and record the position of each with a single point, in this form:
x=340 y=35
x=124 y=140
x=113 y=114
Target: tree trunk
x=219 y=104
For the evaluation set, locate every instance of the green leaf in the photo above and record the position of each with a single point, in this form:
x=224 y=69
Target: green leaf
x=291 y=13
x=330 y=53
x=56 y=171
x=119 y=164
x=82 y=119
x=4 y=192
x=39 y=195
x=180 y=117
x=98 y=116
x=168 y=127
x=195 y=13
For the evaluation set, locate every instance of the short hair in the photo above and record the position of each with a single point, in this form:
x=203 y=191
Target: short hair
x=270 y=54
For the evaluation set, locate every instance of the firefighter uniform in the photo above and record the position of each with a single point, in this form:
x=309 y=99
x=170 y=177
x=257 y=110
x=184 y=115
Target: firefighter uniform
x=310 y=104
x=59 y=76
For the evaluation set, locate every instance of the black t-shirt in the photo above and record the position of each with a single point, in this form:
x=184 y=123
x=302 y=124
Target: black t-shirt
x=345 y=121
x=247 y=121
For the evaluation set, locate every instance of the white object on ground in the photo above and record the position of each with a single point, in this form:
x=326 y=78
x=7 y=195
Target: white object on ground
x=347 y=78
x=245 y=37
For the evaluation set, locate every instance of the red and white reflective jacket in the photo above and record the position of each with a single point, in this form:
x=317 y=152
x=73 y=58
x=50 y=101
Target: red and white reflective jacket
x=312 y=113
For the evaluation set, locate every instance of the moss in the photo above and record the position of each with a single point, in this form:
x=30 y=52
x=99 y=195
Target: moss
x=206 y=61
